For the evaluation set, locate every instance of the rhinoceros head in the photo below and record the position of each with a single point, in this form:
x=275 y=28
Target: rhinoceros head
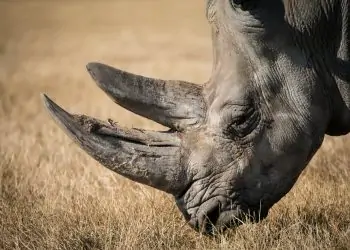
x=237 y=143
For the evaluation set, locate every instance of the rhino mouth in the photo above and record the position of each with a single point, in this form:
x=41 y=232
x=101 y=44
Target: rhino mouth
x=238 y=216
x=220 y=221
x=215 y=216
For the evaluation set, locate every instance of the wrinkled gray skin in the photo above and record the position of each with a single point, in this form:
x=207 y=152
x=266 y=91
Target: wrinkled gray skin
x=238 y=143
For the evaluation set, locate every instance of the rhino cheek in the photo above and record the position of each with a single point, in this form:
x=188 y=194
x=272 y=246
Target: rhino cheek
x=276 y=167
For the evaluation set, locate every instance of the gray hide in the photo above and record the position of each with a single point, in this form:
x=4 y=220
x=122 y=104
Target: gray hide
x=238 y=143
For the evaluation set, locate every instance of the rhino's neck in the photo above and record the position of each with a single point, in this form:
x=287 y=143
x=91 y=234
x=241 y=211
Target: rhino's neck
x=322 y=29
x=341 y=68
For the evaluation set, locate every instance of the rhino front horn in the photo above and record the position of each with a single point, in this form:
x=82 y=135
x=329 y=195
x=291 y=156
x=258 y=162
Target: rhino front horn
x=176 y=104
x=147 y=157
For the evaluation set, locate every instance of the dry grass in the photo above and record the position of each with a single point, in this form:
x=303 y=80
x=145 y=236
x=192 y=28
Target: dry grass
x=53 y=196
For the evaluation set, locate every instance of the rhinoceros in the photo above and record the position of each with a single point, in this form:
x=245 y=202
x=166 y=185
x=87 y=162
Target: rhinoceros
x=236 y=144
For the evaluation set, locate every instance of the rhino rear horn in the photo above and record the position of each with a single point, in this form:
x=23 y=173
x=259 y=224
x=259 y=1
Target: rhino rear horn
x=175 y=104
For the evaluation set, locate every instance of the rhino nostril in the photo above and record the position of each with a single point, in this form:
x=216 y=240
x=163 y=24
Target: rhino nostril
x=213 y=215
x=206 y=221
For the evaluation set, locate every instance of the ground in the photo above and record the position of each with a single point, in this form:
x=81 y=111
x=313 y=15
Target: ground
x=53 y=196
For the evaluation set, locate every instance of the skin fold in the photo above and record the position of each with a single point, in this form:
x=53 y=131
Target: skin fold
x=238 y=143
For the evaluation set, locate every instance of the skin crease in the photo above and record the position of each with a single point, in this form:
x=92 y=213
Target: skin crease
x=237 y=144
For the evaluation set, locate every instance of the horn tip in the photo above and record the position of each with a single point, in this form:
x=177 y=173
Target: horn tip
x=49 y=104
x=94 y=69
x=92 y=65
x=95 y=66
x=46 y=100
x=54 y=110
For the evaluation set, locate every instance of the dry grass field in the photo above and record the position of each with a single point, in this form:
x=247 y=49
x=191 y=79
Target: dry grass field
x=53 y=196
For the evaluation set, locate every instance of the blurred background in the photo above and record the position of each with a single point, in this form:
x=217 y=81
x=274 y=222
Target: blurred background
x=44 y=46
x=53 y=196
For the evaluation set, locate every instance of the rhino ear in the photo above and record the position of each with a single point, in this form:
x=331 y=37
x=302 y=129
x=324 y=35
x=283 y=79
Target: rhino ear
x=176 y=104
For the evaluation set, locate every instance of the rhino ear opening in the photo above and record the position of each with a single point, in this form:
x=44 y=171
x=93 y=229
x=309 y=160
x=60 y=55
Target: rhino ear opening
x=175 y=104
x=148 y=157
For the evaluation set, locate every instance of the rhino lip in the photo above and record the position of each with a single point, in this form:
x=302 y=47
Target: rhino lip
x=229 y=219
x=205 y=219
x=238 y=216
x=217 y=220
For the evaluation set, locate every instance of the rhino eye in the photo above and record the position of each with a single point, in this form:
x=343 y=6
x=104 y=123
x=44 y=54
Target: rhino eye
x=243 y=124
